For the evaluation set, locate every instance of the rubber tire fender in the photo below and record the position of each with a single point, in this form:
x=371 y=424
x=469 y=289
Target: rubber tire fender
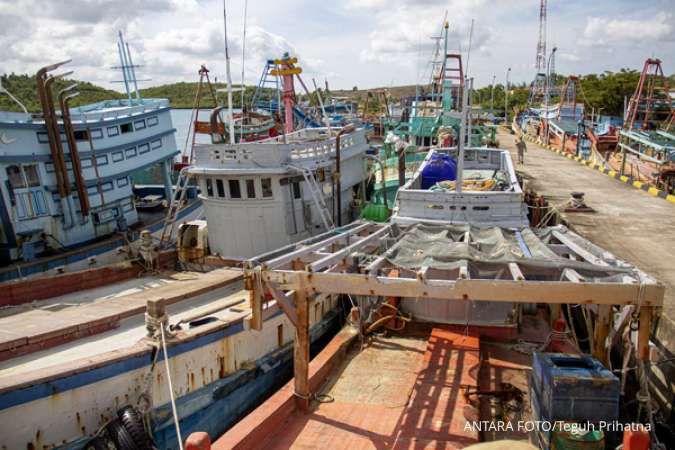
x=132 y=421
x=97 y=443
x=120 y=436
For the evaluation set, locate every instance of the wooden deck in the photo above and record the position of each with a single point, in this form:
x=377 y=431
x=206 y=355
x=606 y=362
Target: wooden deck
x=400 y=392
x=42 y=328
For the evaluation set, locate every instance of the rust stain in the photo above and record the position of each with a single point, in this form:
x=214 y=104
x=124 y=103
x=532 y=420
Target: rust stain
x=221 y=362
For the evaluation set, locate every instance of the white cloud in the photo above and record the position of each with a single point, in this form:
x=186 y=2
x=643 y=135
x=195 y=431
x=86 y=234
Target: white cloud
x=173 y=51
x=572 y=57
x=606 y=31
x=402 y=36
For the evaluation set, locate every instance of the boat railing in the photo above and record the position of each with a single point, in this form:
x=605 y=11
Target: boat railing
x=14 y=117
x=118 y=109
x=270 y=153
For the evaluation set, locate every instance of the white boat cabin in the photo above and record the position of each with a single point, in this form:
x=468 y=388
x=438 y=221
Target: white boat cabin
x=262 y=195
x=490 y=194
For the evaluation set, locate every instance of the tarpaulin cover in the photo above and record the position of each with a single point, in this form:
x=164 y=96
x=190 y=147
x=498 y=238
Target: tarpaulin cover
x=487 y=250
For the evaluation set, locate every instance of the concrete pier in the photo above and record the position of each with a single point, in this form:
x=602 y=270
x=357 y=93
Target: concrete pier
x=628 y=222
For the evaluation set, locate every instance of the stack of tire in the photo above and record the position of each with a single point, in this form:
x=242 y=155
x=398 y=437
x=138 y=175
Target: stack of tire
x=126 y=432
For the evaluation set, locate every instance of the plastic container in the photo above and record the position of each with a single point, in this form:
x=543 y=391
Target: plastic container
x=574 y=388
x=375 y=212
x=441 y=168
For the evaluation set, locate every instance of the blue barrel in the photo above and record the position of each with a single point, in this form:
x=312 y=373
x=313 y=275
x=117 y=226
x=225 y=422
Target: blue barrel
x=441 y=168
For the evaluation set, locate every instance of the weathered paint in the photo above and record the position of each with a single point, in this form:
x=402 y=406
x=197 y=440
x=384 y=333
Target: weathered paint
x=69 y=409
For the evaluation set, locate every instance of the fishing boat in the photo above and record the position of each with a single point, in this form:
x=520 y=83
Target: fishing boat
x=443 y=313
x=68 y=176
x=282 y=189
x=87 y=363
x=448 y=295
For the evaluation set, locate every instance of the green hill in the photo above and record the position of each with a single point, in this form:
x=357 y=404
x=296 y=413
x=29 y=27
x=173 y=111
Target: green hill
x=604 y=92
x=23 y=87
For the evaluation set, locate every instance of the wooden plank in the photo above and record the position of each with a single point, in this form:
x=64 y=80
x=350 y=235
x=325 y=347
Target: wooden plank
x=285 y=259
x=285 y=302
x=474 y=289
x=255 y=300
x=421 y=274
x=579 y=250
x=644 y=332
x=602 y=325
x=617 y=330
x=341 y=254
x=516 y=273
x=464 y=269
x=301 y=351
x=572 y=275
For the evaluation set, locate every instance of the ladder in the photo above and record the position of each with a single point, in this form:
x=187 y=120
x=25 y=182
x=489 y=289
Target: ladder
x=317 y=196
x=268 y=82
x=176 y=201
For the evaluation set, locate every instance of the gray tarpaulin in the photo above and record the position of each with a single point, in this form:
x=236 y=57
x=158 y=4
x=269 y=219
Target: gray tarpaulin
x=444 y=246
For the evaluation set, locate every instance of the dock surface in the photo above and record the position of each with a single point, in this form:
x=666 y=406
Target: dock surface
x=637 y=227
x=628 y=222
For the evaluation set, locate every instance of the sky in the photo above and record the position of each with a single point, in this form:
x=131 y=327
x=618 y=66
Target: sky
x=363 y=43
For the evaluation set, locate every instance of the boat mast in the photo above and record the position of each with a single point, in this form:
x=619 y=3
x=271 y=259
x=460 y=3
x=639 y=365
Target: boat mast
x=243 y=61
x=462 y=136
x=123 y=65
x=132 y=69
x=229 y=76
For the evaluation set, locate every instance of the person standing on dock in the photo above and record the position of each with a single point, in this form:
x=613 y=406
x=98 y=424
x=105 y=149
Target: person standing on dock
x=522 y=148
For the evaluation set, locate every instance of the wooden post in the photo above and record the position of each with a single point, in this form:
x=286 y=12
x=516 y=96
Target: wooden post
x=255 y=300
x=643 y=333
x=602 y=326
x=301 y=351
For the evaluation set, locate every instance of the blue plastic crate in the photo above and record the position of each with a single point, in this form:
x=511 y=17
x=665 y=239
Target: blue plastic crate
x=574 y=388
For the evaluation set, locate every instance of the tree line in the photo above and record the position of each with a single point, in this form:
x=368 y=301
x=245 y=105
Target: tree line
x=604 y=93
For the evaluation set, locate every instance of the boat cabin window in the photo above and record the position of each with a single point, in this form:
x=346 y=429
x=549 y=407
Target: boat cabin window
x=209 y=187
x=235 y=191
x=266 y=184
x=250 y=188
x=21 y=177
x=15 y=177
x=32 y=175
x=220 y=188
x=81 y=135
x=126 y=128
x=296 y=189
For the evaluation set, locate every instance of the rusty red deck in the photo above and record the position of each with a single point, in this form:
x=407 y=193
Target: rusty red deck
x=398 y=392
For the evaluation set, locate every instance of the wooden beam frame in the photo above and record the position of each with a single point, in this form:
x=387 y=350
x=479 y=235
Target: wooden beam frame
x=553 y=292
x=321 y=268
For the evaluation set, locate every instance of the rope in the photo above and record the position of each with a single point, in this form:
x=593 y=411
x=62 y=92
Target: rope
x=171 y=394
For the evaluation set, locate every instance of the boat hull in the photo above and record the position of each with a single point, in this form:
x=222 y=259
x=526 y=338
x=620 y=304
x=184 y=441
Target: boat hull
x=218 y=376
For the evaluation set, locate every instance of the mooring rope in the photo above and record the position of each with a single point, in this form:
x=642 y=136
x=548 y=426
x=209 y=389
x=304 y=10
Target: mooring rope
x=171 y=394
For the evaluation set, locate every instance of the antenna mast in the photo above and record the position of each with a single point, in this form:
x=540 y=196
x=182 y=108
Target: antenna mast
x=538 y=88
x=128 y=69
x=541 y=45
x=229 y=76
